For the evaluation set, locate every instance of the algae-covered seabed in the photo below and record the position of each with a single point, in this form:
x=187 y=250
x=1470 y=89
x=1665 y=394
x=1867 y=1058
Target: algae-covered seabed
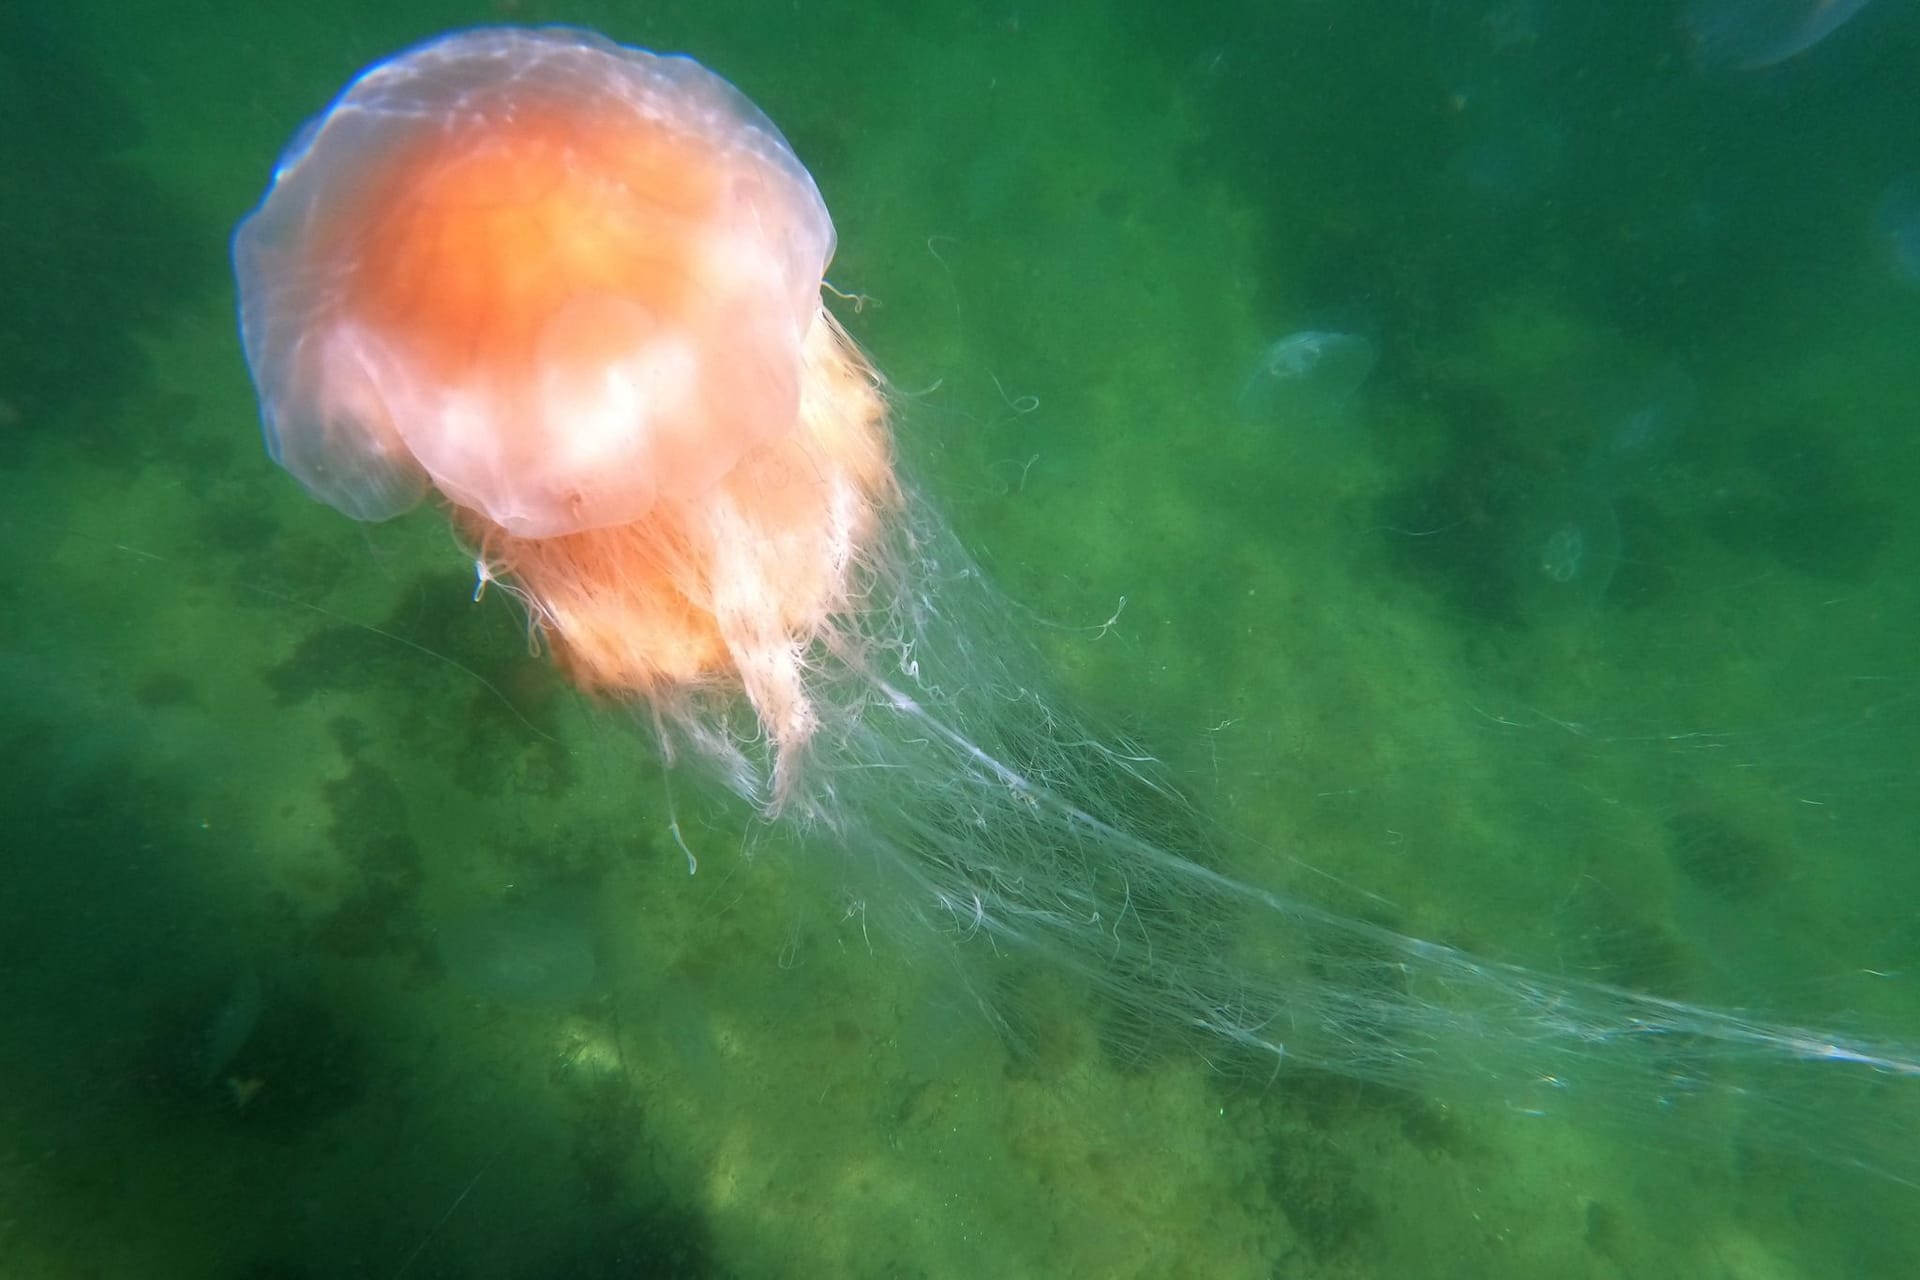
x=256 y=753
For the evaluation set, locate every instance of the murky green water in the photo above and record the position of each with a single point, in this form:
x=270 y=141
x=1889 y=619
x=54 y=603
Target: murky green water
x=1578 y=639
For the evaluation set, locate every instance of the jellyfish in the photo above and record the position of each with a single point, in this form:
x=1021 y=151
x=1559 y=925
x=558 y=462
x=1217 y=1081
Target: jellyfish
x=1574 y=545
x=572 y=291
x=1896 y=225
x=1571 y=552
x=1306 y=377
x=536 y=952
x=1751 y=35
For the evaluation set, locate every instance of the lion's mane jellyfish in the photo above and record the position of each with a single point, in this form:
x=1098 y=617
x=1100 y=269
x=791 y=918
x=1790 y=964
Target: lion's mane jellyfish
x=574 y=289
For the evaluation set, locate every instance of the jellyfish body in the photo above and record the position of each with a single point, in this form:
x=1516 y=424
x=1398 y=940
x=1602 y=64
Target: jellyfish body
x=574 y=289
x=1751 y=35
x=1306 y=377
x=1896 y=225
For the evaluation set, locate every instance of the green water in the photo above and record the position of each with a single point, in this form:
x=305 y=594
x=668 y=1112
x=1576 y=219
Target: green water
x=1476 y=658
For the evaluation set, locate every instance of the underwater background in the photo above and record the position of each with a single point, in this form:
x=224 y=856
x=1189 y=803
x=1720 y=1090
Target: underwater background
x=1473 y=443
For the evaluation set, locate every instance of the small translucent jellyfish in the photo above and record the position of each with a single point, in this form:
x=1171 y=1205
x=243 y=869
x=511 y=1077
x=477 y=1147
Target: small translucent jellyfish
x=536 y=953
x=1569 y=551
x=1306 y=377
x=1566 y=548
x=1515 y=162
x=1896 y=224
x=1749 y=35
x=1652 y=412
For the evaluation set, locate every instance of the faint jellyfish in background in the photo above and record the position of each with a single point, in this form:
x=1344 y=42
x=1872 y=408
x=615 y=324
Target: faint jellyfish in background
x=1568 y=552
x=1467 y=34
x=1511 y=26
x=1510 y=160
x=1896 y=226
x=1571 y=545
x=1644 y=417
x=1565 y=553
x=1306 y=378
x=1502 y=67
x=1748 y=35
x=231 y=1027
x=538 y=952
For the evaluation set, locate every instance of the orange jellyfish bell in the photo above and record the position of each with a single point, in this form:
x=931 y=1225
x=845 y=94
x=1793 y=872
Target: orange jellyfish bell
x=575 y=289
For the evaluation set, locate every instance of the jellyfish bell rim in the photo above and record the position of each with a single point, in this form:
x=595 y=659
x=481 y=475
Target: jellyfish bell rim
x=350 y=449
x=682 y=69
